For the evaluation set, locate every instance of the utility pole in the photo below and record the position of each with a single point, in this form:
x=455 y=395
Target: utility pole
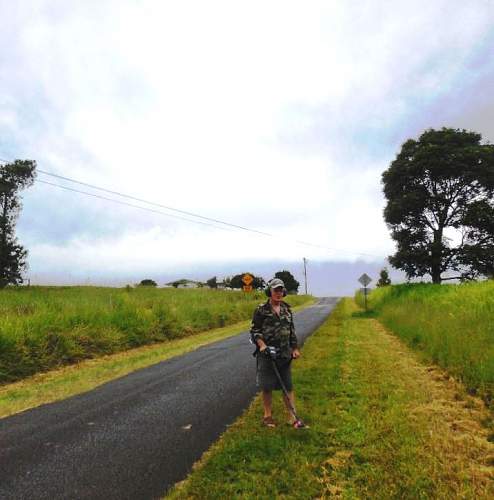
x=305 y=274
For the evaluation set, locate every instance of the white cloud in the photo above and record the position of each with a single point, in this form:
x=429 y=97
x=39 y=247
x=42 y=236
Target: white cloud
x=222 y=107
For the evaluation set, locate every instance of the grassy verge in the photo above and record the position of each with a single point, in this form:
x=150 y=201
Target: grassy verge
x=449 y=325
x=381 y=426
x=86 y=375
x=43 y=328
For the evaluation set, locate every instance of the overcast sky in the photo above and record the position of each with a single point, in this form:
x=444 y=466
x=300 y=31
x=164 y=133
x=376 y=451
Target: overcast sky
x=278 y=116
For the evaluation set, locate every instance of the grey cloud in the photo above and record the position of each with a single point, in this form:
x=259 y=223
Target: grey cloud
x=54 y=216
x=444 y=87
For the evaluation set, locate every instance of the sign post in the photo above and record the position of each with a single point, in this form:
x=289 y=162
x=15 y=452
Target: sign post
x=365 y=279
x=247 y=280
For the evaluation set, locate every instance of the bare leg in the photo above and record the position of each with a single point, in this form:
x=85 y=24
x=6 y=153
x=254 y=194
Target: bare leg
x=287 y=402
x=267 y=399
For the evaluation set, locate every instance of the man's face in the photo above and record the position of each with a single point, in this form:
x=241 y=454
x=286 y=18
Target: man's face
x=277 y=293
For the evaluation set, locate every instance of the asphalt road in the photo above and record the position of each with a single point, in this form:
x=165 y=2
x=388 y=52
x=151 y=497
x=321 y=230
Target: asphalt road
x=136 y=436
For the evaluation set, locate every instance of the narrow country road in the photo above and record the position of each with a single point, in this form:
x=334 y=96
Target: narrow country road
x=136 y=436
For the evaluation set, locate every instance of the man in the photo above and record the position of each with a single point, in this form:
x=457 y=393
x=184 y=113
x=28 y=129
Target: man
x=272 y=326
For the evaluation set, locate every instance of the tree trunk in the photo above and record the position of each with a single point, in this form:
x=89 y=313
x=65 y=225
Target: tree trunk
x=436 y=256
x=3 y=243
x=436 y=277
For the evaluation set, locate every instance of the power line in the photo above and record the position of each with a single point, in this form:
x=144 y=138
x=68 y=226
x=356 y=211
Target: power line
x=131 y=205
x=216 y=221
x=193 y=214
x=117 y=201
x=92 y=186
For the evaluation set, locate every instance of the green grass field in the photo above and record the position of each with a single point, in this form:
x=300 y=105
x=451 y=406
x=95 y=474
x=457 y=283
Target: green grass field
x=42 y=328
x=450 y=325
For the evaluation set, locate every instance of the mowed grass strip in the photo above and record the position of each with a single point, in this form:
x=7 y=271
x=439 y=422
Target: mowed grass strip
x=449 y=325
x=67 y=381
x=382 y=425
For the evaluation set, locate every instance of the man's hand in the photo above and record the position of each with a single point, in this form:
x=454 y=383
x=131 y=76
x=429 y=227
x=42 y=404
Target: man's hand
x=270 y=352
x=296 y=353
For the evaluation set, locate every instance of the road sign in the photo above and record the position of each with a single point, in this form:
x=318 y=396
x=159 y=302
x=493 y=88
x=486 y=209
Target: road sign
x=365 y=279
x=247 y=279
x=247 y=288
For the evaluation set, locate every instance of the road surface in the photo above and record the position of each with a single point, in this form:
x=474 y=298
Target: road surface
x=136 y=436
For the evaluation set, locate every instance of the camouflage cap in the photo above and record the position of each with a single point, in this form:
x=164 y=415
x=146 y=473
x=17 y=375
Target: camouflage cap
x=276 y=283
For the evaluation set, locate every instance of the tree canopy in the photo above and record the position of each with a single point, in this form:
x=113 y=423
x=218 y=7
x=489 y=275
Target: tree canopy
x=440 y=205
x=148 y=282
x=212 y=282
x=13 y=178
x=384 y=279
x=291 y=284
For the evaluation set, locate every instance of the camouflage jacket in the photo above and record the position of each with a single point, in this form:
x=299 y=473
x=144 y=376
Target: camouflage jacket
x=274 y=330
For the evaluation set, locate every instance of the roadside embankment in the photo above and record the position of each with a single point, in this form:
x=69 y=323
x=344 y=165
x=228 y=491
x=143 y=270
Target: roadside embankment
x=42 y=328
x=382 y=425
x=449 y=325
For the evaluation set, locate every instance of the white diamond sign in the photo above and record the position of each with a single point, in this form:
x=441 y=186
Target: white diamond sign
x=365 y=279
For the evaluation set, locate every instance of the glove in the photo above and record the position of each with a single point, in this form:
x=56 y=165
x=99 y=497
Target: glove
x=270 y=352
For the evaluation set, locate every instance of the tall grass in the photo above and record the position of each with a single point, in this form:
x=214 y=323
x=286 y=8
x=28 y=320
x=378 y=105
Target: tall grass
x=45 y=327
x=452 y=325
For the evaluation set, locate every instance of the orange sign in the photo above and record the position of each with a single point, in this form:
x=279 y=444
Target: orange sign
x=247 y=279
x=247 y=288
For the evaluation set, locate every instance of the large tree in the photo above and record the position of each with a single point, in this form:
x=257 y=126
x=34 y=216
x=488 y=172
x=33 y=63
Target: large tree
x=148 y=282
x=212 y=282
x=440 y=205
x=291 y=284
x=384 y=279
x=13 y=177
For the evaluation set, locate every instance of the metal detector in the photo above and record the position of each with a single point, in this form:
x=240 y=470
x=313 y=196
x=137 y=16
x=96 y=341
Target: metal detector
x=298 y=424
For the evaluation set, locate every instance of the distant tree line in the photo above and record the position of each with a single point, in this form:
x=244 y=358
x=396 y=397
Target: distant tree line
x=258 y=282
x=232 y=282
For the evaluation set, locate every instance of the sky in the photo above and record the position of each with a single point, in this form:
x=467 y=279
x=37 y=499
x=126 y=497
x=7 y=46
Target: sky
x=276 y=116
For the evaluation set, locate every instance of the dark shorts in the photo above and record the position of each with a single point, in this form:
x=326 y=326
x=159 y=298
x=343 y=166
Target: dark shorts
x=266 y=377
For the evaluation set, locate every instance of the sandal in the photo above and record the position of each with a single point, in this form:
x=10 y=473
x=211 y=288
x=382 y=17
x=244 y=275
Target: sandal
x=268 y=422
x=297 y=424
